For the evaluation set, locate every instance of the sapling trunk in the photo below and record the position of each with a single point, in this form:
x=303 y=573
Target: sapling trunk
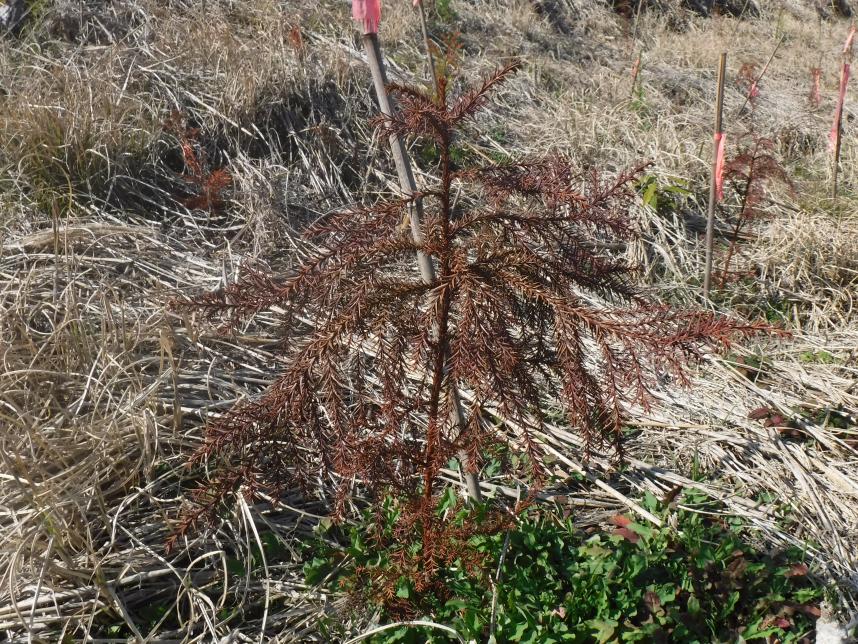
x=738 y=227
x=424 y=262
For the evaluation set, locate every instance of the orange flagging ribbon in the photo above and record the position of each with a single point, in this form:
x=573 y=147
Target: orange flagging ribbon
x=719 y=165
x=368 y=13
x=838 y=112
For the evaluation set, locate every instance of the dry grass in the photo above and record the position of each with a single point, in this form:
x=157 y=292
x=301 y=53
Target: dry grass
x=103 y=393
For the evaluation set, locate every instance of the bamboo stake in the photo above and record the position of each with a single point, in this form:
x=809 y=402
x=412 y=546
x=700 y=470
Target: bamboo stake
x=713 y=185
x=637 y=21
x=836 y=135
x=409 y=187
x=428 y=46
x=838 y=132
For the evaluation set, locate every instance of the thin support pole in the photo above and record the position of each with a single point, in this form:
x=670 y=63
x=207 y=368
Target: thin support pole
x=424 y=262
x=713 y=184
x=433 y=73
x=838 y=130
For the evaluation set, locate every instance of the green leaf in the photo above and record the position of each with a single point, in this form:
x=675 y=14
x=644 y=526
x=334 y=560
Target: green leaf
x=803 y=595
x=693 y=605
x=358 y=548
x=235 y=567
x=448 y=500
x=731 y=602
x=642 y=530
x=403 y=589
x=650 y=502
x=821 y=357
x=650 y=195
x=667 y=594
x=603 y=629
x=519 y=632
x=753 y=632
x=456 y=604
x=492 y=469
x=678 y=190
x=474 y=621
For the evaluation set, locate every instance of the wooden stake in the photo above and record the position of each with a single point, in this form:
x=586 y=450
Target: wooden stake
x=433 y=73
x=713 y=185
x=837 y=129
x=838 y=132
x=409 y=187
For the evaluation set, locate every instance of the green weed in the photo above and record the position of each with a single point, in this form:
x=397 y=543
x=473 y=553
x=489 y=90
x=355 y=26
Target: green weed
x=699 y=581
x=444 y=11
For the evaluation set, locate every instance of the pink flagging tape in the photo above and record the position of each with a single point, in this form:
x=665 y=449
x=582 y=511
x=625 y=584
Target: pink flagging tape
x=368 y=13
x=754 y=91
x=838 y=112
x=719 y=165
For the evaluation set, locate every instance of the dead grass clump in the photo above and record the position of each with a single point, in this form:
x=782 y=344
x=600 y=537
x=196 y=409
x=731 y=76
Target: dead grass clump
x=67 y=129
x=813 y=257
x=98 y=22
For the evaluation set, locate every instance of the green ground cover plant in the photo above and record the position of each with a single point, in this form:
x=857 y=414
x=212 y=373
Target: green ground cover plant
x=698 y=579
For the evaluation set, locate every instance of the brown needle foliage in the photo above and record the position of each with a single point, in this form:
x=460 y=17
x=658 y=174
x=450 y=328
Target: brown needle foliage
x=525 y=309
x=751 y=171
x=205 y=183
